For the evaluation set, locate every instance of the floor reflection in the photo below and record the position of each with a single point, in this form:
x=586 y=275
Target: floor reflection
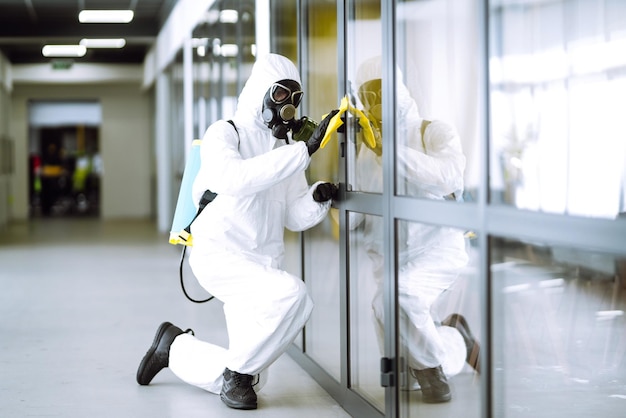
x=560 y=335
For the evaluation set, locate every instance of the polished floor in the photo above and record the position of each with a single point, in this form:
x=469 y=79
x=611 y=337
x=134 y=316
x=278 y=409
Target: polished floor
x=79 y=306
x=81 y=299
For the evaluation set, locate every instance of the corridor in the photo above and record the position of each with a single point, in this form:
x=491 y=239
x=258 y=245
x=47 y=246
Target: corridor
x=80 y=302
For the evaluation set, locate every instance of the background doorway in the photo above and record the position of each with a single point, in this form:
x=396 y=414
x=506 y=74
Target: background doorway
x=65 y=167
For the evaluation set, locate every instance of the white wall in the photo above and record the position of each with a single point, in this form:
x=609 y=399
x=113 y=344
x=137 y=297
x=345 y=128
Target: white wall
x=5 y=179
x=125 y=145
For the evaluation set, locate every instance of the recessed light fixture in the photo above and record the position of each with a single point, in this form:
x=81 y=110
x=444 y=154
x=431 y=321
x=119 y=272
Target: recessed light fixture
x=103 y=43
x=64 y=51
x=229 y=16
x=106 y=16
x=226 y=50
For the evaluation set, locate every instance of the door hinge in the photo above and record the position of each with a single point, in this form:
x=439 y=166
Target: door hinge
x=386 y=372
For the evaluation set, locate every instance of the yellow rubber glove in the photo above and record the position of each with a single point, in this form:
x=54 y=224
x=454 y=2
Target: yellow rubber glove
x=336 y=122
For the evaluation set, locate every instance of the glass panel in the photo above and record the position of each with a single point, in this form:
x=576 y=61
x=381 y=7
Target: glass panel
x=284 y=28
x=439 y=321
x=366 y=306
x=177 y=146
x=559 y=331
x=437 y=105
x=321 y=251
x=558 y=88
x=364 y=41
x=223 y=55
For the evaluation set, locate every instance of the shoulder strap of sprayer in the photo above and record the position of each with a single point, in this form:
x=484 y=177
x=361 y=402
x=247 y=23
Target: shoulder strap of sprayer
x=207 y=197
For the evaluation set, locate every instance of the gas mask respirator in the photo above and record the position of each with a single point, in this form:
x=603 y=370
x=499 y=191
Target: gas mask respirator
x=279 y=111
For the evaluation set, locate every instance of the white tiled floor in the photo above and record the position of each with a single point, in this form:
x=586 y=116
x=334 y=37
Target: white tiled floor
x=79 y=305
x=80 y=301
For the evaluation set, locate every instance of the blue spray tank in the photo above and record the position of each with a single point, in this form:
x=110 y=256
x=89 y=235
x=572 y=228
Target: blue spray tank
x=186 y=209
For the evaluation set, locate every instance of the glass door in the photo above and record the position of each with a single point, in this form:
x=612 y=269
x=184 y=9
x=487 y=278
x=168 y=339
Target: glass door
x=414 y=301
x=436 y=132
x=321 y=244
x=364 y=180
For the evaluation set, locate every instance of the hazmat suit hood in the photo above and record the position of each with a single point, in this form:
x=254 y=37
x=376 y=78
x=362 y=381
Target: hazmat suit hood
x=372 y=69
x=266 y=71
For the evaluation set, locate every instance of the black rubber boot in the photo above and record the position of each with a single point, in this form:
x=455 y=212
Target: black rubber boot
x=157 y=356
x=434 y=385
x=237 y=391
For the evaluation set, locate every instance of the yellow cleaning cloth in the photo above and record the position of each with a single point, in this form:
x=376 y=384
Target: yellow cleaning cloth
x=336 y=122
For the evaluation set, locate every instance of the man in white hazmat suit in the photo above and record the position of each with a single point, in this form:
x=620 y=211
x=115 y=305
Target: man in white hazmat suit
x=238 y=239
x=431 y=162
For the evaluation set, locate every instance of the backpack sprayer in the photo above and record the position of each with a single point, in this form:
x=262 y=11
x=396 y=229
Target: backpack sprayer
x=186 y=212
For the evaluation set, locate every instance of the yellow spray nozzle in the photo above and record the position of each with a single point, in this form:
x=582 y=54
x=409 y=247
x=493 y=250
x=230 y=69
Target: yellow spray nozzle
x=336 y=122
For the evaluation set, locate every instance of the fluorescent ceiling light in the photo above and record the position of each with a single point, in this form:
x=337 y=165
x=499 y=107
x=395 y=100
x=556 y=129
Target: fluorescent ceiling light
x=226 y=50
x=64 y=50
x=229 y=16
x=103 y=43
x=196 y=42
x=105 y=16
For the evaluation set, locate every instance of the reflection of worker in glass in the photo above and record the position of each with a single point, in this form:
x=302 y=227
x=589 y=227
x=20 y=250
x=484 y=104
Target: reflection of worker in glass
x=238 y=239
x=431 y=163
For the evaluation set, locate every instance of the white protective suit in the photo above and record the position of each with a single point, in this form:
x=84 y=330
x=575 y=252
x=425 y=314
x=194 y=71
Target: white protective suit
x=238 y=238
x=430 y=257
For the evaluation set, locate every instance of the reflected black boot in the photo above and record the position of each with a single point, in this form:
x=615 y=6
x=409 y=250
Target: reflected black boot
x=237 y=391
x=157 y=356
x=459 y=322
x=434 y=385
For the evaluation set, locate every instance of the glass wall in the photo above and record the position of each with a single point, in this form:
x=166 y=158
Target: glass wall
x=561 y=330
x=499 y=105
x=366 y=306
x=557 y=147
x=174 y=146
x=363 y=40
x=414 y=290
x=439 y=321
x=321 y=244
x=557 y=85
x=224 y=51
x=437 y=120
x=437 y=99
x=448 y=256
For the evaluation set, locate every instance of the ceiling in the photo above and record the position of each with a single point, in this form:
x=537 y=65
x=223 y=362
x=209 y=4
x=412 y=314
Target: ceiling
x=27 y=25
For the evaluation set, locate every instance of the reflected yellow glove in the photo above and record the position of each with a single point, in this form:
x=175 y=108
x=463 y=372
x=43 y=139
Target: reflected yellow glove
x=378 y=149
x=336 y=122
